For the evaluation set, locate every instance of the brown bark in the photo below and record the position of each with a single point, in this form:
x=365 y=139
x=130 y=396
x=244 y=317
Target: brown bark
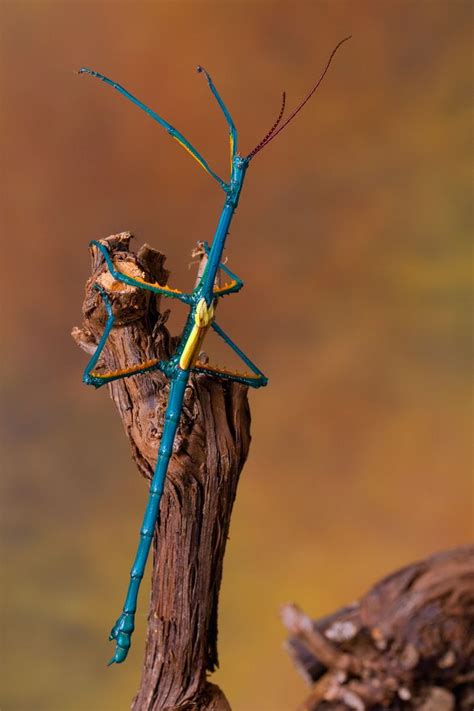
x=407 y=644
x=210 y=450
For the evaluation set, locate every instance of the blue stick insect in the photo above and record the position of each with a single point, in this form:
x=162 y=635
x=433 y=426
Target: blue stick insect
x=201 y=302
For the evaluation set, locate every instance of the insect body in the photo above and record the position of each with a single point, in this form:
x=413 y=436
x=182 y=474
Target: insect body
x=201 y=317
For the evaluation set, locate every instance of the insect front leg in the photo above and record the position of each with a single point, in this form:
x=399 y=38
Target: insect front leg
x=93 y=377
x=162 y=290
x=231 y=287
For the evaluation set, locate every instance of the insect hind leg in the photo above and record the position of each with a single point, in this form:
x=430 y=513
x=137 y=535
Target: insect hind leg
x=254 y=379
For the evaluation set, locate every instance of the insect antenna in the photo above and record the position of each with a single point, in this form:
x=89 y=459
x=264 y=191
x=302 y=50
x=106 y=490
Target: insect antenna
x=275 y=131
x=273 y=128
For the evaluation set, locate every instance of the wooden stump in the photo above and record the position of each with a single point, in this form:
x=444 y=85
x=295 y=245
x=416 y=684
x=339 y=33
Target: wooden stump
x=407 y=644
x=210 y=450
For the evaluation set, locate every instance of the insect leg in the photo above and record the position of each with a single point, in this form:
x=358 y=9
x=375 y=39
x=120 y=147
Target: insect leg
x=254 y=379
x=91 y=376
x=139 y=283
x=124 y=626
x=225 y=111
x=235 y=283
x=174 y=133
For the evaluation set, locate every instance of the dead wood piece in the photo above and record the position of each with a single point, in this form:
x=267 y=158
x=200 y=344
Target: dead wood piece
x=210 y=450
x=407 y=644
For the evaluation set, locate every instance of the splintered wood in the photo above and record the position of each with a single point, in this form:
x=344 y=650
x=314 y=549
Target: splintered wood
x=407 y=644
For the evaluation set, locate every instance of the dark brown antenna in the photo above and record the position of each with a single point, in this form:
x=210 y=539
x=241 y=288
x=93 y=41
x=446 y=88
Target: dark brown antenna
x=273 y=133
x=264 y=140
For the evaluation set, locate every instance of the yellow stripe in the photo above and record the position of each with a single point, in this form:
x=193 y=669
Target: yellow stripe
x=151 y=283
x=231 y=142
x=126 y=371
x=191 y=153
x=189 y=348
x=202 y=320
x=228 y=285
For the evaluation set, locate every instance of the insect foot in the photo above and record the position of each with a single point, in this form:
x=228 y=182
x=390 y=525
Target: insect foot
x=122 y=632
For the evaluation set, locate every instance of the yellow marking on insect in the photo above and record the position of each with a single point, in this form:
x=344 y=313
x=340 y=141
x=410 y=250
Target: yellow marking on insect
x=130 y=271
x=191 y=153
x=126 y=371
x=224 y=371
x=231 y=142
x=204 y=314
x=165 y=287
x=202 y=320
x=228 y=285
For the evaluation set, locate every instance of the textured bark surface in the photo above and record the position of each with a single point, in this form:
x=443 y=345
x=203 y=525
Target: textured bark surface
x=210 y=450
x=407 y=644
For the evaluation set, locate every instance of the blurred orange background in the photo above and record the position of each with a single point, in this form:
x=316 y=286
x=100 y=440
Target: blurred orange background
x=353 y=238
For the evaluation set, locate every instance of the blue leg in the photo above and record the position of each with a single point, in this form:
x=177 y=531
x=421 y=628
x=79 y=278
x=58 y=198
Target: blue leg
x=140 y=283
x=255 y=379
x=91 y=377
x=123 y=628
x=225 y=111
x=173 y=132
x=235 y=284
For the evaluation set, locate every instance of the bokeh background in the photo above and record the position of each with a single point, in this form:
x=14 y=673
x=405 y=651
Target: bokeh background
x=352 y=236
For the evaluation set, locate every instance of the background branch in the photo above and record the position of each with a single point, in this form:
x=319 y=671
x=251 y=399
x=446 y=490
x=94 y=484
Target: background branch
x=407 y=644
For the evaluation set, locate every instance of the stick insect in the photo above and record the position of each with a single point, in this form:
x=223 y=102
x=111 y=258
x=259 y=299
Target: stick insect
x=201 y=317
